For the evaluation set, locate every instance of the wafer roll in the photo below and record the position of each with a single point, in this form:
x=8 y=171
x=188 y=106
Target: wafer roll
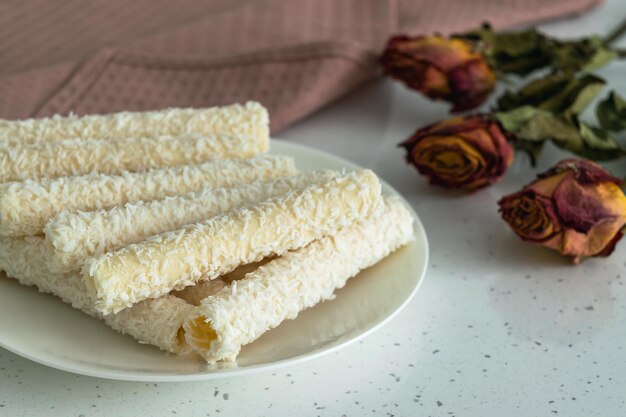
x=174 y=260
x=24 y=258
x=157 y=321
x=25 y=207
x=73 y=237
x=79 y=157
x=279 y=290
x=249 y=120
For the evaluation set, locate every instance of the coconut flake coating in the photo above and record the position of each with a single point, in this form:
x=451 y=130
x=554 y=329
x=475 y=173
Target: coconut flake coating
x=25 y=260
x=155 y=321
x=250 y=119
x=73 y=237
x=25 y=207
x=79 y=157
x=279 y=290
x=174 y=260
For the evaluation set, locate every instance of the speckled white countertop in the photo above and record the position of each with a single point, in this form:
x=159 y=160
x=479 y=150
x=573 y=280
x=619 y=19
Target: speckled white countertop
x=499 y=328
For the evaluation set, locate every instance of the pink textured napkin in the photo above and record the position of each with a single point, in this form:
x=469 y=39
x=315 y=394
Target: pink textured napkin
x=294 y=56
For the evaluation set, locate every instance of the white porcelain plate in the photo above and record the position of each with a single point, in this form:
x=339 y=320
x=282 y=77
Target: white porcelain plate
x=41 y=328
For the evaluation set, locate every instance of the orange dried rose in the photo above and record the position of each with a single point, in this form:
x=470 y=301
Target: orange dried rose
x=463 y=152
x=576 y=208
x=441 y=68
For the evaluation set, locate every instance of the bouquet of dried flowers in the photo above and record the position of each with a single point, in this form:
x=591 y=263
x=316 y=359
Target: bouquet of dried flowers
x=577 y=207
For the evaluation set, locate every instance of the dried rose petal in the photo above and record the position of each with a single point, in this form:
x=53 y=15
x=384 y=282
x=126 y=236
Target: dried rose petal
x=464 y=152
x=584 y=204
x=441 y=68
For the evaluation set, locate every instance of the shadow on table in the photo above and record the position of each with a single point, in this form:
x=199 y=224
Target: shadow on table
x=546 y=297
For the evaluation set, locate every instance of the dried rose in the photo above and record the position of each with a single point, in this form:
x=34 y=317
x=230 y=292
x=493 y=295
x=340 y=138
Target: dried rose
x=441 y=68
x=576 y=208
x=463 y=152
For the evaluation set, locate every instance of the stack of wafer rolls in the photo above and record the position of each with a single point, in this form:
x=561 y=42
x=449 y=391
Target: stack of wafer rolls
x=74 y=237
x=280 y=289
x=171 y=227
x=128 y=158
x=208 y=249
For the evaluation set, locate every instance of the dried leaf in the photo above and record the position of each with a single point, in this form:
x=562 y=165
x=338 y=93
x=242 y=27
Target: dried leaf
x=544 y=125
x=534 y=93
x=526 y=51
x=530 y=124
x=531 y=148
x=516 y=119
x=599 y=144
x=516 y=44
x=580 y=55
x=599 y=59
x=575 y=96
x=611 y=112
x=557 y=93
x=511 y=52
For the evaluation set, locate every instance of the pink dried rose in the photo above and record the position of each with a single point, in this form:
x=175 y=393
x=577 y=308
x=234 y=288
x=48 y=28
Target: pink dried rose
x=441 y=68
x=576 y=208
x=467 y=153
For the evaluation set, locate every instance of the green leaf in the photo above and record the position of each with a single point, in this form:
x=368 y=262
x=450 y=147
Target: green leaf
x=611 y=112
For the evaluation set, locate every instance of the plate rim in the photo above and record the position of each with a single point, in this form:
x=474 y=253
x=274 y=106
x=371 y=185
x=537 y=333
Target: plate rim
x=257 y=368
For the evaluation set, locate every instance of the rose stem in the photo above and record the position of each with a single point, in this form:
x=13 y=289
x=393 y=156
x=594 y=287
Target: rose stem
x=615 y=34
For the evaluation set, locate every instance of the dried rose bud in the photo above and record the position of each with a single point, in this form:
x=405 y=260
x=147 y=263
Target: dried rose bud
x=576 y=208
x=441 y=68
x=463 y=152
